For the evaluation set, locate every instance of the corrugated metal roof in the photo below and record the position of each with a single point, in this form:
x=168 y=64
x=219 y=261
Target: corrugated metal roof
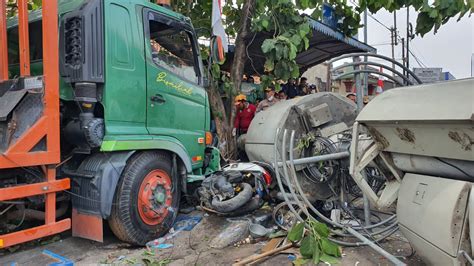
x=325 y=29
x=325 y=44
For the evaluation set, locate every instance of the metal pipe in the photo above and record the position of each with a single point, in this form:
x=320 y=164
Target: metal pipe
x=371 y=71
x=375 y=247
x=388 y=228
x=447 y=168
x=366 y=204
x=37 y=214
x=285 y=172
x=377 y=224
x=300 y=190
x=280 y=185
x=365 y=241
x=378 y=56
x=306 y=201
x=370 y=63
x=467 y=257
x=319 y=158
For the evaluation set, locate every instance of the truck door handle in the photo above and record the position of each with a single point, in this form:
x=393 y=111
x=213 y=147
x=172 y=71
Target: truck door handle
x=157 y=98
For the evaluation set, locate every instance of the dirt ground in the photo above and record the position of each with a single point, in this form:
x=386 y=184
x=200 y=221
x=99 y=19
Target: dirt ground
x=189 y=248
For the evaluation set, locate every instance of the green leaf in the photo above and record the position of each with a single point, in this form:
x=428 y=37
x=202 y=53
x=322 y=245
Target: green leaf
x=317 y=13
x=307 y=247
x=277 y=87
x=265 y=24
x=295 y=72
x=306 y=43
x=316 y=254
x=293 y=51
x=295 y=39
x=321 y=228
x=279 y=51
x=330 y=248
x=215 y=70
x=269 y=65
x=329 y=259
x=434 y=13
x=268 y=45
x=304 y=4
x=296 y=233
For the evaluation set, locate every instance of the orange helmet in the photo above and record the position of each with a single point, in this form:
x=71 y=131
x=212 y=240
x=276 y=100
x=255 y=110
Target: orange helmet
x=240 y=97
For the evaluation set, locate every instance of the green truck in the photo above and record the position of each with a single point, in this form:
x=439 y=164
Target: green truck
x=135 y=117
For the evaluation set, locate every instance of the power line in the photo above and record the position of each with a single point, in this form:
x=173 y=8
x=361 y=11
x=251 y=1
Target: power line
x=420 y=63
x=380 y=44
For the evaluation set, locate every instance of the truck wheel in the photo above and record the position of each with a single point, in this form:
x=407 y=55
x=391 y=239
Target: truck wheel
x=147 y=199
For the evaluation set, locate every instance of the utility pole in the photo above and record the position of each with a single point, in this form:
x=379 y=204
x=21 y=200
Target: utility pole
x=394 y=36
x=408 y=38
x=403 y=58
x=366 y=75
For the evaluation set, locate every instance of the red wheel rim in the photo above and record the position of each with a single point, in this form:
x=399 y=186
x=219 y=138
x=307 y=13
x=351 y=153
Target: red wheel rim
x=155 y=197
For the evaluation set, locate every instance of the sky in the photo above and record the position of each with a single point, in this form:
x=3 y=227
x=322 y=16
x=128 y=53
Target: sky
x=450 y=48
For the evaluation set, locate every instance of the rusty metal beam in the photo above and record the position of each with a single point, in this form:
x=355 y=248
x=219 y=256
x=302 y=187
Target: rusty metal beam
x=24 y=38
x=3 y=42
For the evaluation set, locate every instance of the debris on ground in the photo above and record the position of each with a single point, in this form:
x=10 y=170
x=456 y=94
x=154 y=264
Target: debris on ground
x=238 y=189
x=182 y=223
x=60 y=260
x=233 y=233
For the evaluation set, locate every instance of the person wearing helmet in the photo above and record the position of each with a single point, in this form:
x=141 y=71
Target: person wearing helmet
x=245 y=114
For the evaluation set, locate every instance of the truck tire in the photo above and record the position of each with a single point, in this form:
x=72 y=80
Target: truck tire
x=147 y=199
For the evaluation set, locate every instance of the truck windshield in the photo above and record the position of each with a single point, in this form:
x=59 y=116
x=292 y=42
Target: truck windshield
x=172 y=49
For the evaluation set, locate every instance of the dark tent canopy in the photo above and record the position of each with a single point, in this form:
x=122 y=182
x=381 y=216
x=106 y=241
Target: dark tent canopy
x=326 y=43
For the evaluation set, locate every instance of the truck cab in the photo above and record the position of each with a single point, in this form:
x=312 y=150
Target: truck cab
x=134 y=116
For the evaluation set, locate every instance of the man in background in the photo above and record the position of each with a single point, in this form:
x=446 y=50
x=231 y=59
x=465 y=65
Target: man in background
x=269 y=100
x=290 y=88
x=245 y=114
x=282 y=95
x=303 y=87
x=351 y=96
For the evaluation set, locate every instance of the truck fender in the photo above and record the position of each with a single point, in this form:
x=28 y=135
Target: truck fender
x=95 y=181
x=157 y=143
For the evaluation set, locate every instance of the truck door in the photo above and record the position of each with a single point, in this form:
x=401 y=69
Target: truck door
x=176 y=105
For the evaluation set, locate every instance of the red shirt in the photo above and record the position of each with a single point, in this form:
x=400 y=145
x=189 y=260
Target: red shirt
x=244 y=117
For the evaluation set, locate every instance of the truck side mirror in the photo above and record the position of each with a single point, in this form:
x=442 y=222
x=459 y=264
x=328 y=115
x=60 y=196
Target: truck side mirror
x=217 y=50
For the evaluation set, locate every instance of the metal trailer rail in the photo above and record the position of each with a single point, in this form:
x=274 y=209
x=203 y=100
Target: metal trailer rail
x=21 y=153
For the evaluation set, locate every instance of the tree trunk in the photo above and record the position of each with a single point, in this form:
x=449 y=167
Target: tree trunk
x=240 y=56
x=227 y=144
x=238 y=65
